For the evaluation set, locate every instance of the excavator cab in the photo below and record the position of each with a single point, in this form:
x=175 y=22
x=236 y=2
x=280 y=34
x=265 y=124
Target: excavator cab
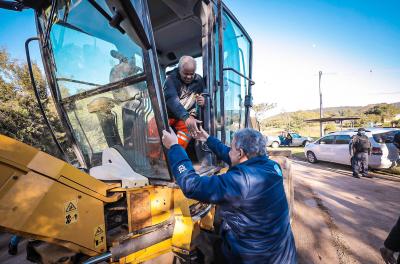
x=105 y=62
x=101 y=92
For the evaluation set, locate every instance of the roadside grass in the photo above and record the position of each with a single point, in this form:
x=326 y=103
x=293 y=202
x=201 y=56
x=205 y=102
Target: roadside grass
x=394 y=170
x=297 y=152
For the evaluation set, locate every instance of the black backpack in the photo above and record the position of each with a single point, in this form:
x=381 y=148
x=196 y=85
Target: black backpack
x=362 y=144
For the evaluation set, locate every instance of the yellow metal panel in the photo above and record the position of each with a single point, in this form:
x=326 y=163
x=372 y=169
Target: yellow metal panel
x=26 y=157
x=185 y=229
x=14 y=150
x=148 y=253
x=161 y=204
x=55 y=168
x=36 y=206
x=139 y=209
x=207 y=222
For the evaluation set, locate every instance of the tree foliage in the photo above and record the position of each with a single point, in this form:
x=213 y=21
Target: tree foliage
x=382 y=111
x=20 y=116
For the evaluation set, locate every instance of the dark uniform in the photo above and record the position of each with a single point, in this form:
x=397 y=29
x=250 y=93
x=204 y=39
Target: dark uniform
x=360 y=148
x=392 y=242
x=396 y=140
x=180 y=99
x=255 y=214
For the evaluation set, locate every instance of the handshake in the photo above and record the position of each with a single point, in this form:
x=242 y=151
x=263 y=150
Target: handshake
x=169 y=138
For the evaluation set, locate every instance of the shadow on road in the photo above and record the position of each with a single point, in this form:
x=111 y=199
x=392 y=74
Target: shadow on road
x=353 y=215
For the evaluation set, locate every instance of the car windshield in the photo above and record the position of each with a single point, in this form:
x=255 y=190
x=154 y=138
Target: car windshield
x=295 y=135
x=386 y=137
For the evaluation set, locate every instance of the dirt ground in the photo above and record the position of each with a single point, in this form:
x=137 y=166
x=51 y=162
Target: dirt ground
x=341 y=219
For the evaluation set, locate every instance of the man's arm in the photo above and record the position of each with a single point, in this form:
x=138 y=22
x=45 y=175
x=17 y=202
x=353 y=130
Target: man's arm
x=172 y=100
x=351 y=148
x=215 y=189
x=370 y=146
x=219 y=149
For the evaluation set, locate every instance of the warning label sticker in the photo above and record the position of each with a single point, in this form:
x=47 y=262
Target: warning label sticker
x=71 y=212
x=99 y=236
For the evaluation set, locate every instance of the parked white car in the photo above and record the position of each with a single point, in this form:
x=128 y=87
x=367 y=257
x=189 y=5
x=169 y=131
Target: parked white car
x=334 y=147
x=273 y=141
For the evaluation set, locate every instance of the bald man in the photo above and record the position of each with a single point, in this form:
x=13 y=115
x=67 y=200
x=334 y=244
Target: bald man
x=182 y=91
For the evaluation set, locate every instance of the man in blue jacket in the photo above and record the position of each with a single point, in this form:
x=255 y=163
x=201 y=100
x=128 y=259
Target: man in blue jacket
x=253 y=206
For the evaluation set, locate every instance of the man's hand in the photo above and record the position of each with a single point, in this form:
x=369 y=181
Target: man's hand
x=169 y=139
x=200 y=100
x=388 y=255
x=202 y=135
x=191 y=124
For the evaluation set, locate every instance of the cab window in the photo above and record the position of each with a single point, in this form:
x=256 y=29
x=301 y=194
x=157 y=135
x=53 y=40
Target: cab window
x=89 y=55
x=327 y=140
x=236 y=56
x=91 y=58
x=342 y=139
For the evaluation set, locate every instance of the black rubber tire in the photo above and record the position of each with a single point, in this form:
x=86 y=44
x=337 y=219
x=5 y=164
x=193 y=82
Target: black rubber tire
x=275 y=144
x=305 y=142
x=311 y=157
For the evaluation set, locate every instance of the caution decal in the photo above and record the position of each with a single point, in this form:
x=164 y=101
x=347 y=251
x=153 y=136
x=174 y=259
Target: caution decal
x=99 y=236
x=71 y=212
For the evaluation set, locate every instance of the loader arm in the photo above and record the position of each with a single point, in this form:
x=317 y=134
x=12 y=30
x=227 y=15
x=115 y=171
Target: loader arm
x=45 y=198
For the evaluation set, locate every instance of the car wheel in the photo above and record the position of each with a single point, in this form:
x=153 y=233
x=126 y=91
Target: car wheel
x=305 y=143
x=311 y=157
x=275 y=144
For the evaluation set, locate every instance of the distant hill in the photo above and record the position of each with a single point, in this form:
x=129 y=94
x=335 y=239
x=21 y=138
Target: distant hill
x=332 y=111
x=370 y=115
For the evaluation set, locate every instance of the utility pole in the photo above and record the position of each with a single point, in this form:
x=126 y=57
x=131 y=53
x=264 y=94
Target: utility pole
x=320 y=105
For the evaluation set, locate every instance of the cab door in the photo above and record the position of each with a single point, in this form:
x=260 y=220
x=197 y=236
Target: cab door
x=324 y=150
x=232 y=93
x=103 y=76
x=340 y=149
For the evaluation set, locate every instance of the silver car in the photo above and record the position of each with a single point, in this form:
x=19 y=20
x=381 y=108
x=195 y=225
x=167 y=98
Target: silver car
x=334 y=147
x=273 y=141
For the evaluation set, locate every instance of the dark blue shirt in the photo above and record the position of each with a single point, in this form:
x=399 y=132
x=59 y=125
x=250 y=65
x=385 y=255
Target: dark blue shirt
x=253 y=206
x=176 y=91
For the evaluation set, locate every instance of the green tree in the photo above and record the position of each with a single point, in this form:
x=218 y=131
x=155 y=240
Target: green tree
x=384 y=111
x=20 y=117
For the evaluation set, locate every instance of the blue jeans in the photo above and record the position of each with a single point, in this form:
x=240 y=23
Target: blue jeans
x=15 y=240
x=360 y=164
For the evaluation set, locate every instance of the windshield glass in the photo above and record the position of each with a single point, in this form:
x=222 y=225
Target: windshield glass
x=236 y=54
x=90 y=54
x=386 y=137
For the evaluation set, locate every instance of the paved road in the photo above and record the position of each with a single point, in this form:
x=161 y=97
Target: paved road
x=340 y=219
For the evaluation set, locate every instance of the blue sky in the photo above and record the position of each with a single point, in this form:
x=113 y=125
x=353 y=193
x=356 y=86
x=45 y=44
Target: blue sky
x=355 y=43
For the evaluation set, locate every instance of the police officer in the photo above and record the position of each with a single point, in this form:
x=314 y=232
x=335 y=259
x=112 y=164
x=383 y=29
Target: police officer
x=360 y=148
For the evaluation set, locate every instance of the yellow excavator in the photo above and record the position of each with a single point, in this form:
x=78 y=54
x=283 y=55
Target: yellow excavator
x=112 y=197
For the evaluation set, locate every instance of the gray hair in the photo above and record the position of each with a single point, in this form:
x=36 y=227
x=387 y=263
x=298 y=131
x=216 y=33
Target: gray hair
x=185 y=60
x=251 y=141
